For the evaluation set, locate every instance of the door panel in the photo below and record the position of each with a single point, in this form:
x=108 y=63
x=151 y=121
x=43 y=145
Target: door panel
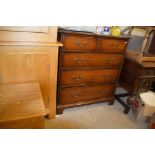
x=23 y=68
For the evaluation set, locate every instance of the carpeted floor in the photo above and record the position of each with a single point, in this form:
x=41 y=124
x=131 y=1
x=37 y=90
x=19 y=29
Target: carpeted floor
x=96 y=116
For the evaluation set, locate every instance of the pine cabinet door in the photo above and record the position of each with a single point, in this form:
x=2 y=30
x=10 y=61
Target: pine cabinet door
x=23 y=68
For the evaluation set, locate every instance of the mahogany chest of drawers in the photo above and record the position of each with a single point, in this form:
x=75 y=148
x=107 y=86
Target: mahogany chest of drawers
x=89 y=68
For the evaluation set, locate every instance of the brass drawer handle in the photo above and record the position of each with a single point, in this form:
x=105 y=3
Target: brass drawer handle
x=111 y=60
x=85 y=42
x=79 y=60
x=103 y=91
x=75 y=95
x=107 y=76
x=113 y=45
x=78 y=43
x=74 y=77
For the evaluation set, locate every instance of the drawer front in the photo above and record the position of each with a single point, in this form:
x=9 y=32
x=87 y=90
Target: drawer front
x=82 y=94
x=113 y=45
x=79 y=43
x=147 y=72
x=76 y=60
x=76 y=77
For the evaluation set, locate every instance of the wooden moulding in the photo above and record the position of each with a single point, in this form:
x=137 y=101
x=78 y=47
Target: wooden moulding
x=28 y=123
x=139 y=57
x=144 y=58
x=28 y=33
x=26 y=43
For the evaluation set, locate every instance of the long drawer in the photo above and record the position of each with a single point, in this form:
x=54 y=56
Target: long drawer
x=147 y=72
x=71 y=42
x=85 y=93
x=76 y=77
x=113 y=45
x=76 y=60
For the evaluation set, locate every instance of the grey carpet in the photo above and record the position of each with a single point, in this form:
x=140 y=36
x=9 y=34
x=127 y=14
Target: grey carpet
x=96 y=116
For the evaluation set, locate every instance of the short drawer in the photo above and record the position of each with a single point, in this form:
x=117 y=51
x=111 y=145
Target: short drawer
x=71 y=42
x=76 y=60
x=113 y=45
x=81 y=94
x=77 y=77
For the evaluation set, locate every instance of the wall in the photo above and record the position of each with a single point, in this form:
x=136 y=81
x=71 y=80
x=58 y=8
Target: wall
x=137 y=32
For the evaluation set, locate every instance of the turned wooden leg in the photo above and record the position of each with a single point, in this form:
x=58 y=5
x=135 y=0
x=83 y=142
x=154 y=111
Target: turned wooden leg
x=124 y=104
x=127 y=109
x=111 y=102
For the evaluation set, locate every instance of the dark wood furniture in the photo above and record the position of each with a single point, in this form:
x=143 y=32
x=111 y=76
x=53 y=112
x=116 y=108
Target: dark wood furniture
x=138 y=73
x=151 y=45
x=135 y=77
x=21 y=106
x=89 y=68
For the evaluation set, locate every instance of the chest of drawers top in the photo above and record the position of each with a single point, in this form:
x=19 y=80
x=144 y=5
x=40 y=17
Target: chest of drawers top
x=90 y=42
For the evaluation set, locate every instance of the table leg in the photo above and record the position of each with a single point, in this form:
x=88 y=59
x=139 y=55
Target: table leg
x=124 y=104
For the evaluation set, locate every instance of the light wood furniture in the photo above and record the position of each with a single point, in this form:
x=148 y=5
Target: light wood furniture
x=30 y=54
x=89 y=68
x=28 y=33
x=21 y=106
